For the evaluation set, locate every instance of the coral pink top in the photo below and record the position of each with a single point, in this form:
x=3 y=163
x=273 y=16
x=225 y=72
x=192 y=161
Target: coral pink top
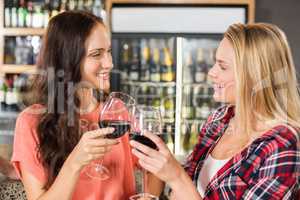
x=119 y=160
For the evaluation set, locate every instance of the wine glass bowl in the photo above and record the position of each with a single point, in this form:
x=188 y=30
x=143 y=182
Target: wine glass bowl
x=146 y=118
x=116 y=113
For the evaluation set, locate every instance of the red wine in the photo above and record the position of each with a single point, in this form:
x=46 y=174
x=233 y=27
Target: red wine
x=121 y=127
x=143 y=139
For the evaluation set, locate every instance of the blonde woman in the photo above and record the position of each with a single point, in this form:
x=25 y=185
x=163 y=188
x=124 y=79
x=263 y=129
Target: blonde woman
x=249 y=148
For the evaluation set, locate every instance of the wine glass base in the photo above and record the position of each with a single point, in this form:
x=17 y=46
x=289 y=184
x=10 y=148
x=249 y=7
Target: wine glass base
x=97 y=171
x=143 y=196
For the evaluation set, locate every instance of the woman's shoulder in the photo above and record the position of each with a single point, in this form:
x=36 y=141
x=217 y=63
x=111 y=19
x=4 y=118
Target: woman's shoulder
x=282 y=135
x=280 y=140
x=31 y=114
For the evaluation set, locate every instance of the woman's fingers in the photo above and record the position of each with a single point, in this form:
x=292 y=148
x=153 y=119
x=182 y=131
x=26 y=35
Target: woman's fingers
x=148 y=167
x=143 y=148
x=98 y=133
x=158 y=141
x=95 y=156
x=95 y=150
x=102 y=142
x=157 y=163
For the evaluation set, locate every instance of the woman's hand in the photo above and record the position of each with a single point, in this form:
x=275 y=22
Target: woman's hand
x=92 y=145
x=159 y=162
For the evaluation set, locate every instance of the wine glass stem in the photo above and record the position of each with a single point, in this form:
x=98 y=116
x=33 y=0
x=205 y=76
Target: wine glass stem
x=144 y=182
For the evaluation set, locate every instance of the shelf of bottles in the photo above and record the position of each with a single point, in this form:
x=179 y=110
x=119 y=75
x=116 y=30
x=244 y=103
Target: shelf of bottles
x=21 y=50
x=197 y=102
x=24 y=25
x=12 y=87
x=36 y=13
x=147 y=71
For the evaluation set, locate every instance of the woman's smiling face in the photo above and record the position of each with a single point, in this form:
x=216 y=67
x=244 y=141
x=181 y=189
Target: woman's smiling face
x=222 y=74
x=97 y=64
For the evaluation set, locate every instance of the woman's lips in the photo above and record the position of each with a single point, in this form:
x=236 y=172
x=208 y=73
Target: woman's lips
x=104 y=76
x=218 y=87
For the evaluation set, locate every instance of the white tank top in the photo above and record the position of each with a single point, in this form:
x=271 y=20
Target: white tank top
x=210 y=167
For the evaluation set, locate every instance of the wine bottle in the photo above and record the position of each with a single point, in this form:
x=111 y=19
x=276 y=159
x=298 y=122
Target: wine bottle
x=22 y=13
x=154 y=65
x=3 y=90
x=145 y=57
x=72 y=4
x=157 y=96
x=186 y=134
x=9 y=94
x=167 y=70
x=134 y=62
x=194 y=135
x=9 y=50
x=80 y=5
x=88 y=6
x=151 y=95
x=55 y=7
x=197 y=96
x=187 y=103
x=97 y=8
x=19 y=51
x=142 y=95
x=188 y=68
x=201 y=67
x=14 y=14
x=169 y=136
x=63 y=6
x=29 y=14
x=125 y=66
x=169 y=103
x=7 y=13
x=46 y=13
x=37 y=16
x=15 y=94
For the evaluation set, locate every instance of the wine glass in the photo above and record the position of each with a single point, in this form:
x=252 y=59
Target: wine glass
x=116 y=113
x=143 y=196
x=145 y=118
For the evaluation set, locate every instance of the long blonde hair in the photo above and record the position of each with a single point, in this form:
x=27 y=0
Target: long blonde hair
x=266 y=83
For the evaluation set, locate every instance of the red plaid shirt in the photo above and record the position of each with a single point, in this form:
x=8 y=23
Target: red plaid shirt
x=267 y=169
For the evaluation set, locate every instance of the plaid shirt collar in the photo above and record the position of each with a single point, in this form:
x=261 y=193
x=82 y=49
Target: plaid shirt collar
x=211 y=132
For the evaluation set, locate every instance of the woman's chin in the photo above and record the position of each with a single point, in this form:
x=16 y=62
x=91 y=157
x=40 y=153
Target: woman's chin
x=105 y=87
x=220 y=98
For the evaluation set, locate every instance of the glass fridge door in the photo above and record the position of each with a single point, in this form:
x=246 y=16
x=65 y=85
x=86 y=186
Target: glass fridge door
x=145 y=68
x=195 y=56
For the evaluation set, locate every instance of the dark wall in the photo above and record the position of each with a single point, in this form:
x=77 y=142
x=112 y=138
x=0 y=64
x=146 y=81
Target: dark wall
x=286 y=15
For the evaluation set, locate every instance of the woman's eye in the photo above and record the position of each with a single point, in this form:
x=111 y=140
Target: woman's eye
x=95 y=55
x=109 y=50
x=222 y=67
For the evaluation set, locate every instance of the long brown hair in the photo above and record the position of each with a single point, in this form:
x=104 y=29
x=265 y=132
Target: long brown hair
x=62 y=54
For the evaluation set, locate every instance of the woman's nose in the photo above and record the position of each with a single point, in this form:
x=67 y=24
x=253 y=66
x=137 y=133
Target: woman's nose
x=212 y=72
x=107 y=62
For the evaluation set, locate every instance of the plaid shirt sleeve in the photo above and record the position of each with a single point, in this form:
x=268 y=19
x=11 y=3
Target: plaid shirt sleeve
x=278 y=176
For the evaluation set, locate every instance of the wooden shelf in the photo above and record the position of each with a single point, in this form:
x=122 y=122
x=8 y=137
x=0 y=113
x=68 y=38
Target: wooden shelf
x=22 y=31
x=17 y=69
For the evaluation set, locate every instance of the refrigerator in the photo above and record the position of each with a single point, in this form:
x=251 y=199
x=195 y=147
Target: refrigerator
x=161 y=57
